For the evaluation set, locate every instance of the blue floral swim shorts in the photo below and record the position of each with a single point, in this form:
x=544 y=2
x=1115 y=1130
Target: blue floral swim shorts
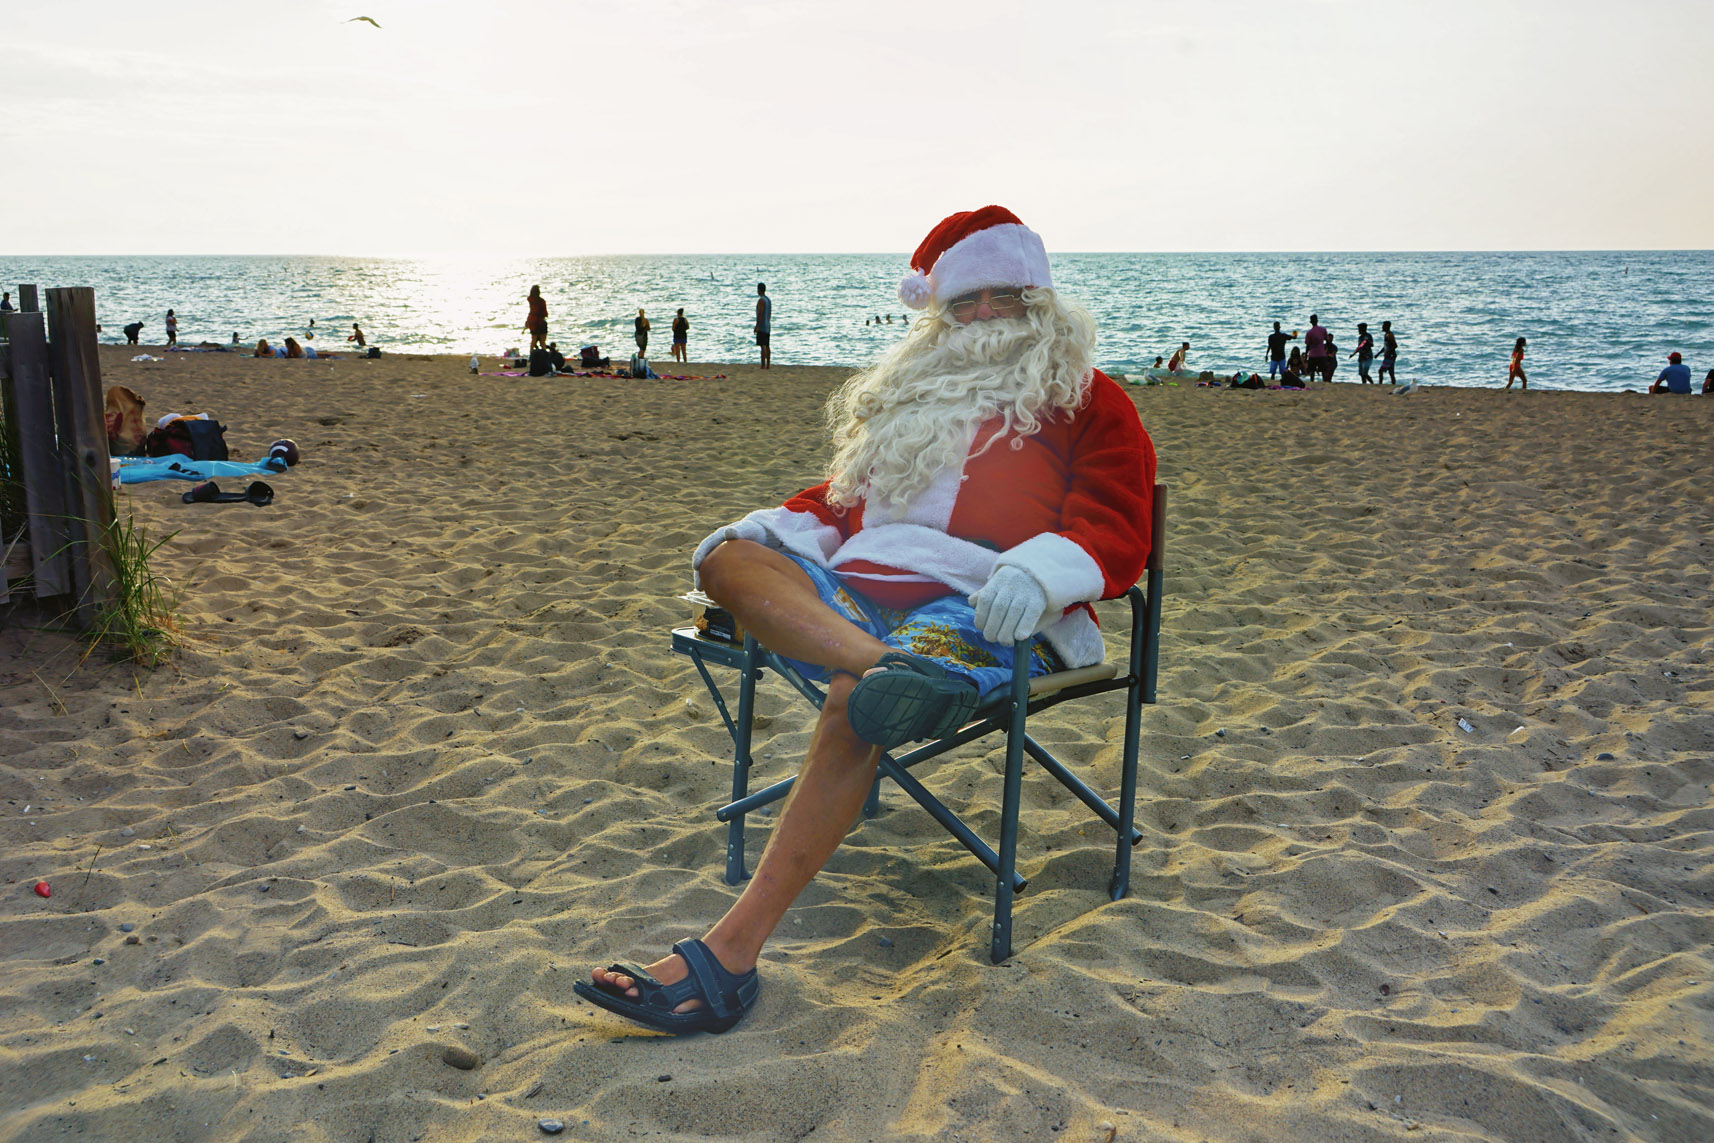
x=942 y=629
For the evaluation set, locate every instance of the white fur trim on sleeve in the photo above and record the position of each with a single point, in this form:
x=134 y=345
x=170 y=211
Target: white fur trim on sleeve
x=1077 y=639
x=1067 y=572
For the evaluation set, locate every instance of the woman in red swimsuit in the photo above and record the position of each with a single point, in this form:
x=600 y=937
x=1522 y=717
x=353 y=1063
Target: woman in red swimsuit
x=536 y=325
x=1516 y=372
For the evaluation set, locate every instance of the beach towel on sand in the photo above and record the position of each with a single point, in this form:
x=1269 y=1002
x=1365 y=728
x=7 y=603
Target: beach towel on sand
x=141 y=469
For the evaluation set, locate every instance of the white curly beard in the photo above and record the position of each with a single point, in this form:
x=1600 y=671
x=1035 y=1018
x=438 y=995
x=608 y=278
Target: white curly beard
x=916 y=411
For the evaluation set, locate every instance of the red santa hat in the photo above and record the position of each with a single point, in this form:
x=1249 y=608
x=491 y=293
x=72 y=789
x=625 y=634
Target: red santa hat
x=974 y=250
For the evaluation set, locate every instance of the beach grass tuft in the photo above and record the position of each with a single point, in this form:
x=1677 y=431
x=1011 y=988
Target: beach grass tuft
x=140 y=623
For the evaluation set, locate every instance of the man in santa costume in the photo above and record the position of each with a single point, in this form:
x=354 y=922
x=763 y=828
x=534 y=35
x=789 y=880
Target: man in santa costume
x=987 y=484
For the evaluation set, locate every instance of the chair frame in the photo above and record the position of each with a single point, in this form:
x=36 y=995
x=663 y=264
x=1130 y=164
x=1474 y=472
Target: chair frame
x=1008 y=713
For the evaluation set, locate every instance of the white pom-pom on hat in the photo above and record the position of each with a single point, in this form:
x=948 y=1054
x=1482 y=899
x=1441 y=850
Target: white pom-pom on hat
x=915 y=291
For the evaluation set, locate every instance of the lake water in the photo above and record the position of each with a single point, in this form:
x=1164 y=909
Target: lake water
x=1601 y=320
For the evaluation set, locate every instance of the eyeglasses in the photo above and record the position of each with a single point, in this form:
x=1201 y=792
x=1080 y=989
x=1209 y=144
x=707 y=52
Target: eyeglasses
x=1006 y=304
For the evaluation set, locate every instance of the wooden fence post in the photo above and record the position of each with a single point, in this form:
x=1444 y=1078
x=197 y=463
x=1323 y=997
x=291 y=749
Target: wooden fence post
x=27 y=299
x=76 y=368
x=38 y=459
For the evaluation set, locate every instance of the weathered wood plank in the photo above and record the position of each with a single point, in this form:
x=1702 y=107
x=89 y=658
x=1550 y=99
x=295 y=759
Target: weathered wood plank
x=76 y=369
x=38 y=454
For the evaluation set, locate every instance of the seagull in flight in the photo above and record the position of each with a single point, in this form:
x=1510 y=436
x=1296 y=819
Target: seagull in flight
x=365 y=19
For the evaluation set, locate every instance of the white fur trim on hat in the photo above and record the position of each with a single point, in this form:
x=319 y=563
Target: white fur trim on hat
x=1010 y=254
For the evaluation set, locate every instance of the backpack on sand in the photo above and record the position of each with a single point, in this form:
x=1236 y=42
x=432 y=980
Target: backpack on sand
x=199 y=439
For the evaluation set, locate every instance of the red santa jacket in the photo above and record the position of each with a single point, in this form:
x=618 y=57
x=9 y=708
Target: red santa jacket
x=1070 y=504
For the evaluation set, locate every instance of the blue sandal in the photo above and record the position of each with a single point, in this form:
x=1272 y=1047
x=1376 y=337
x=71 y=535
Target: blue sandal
x=910 y=698
x=725 y=996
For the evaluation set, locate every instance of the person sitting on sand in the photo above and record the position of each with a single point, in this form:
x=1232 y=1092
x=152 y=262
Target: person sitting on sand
x=1294 y=363
x=987 y=484
x=1675 y=378
x=1176 y=363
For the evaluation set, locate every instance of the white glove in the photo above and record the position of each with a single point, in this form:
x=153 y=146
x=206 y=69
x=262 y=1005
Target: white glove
x=745 y=529
x=1009 y=605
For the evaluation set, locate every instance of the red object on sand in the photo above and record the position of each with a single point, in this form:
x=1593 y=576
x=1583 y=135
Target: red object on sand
x=43 y=889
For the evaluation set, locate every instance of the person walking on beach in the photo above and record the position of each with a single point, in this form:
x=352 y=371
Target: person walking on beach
x=536 y=321
x=1675 y=378
x=1315 y=350
x=1364 y=352
x=356 y=335
x=642 y=333
x=1276 y=350
x=1389 y=354
x=172 y=328
x=987 y=484
x=681 y=337
x=764 y=322
x=1175 y=363
x=1515 y=372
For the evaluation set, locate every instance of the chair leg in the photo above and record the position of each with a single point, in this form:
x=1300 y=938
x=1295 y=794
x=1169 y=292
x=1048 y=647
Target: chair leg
x=1145 y=620
x=1121 y=883
x=747 y=675
x=1002 y=945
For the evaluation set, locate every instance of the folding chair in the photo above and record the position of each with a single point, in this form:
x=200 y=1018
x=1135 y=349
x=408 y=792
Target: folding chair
x=1007 y=712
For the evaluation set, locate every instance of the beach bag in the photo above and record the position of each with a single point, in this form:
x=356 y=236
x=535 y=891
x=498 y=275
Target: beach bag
x=540 y=366
x=197 y=439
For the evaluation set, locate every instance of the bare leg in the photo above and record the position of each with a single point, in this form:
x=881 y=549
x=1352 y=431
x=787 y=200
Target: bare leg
x=778 y=603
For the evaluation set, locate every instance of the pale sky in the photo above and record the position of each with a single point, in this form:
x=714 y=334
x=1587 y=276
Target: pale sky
x=565 y=127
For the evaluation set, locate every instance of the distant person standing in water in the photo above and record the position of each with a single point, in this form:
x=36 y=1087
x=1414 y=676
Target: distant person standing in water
x=1515 y=372
x=1276 y=350
x=356 y=335
x=1364 y=352
x=1389 y=354
x=1315 y=350
x=536 y=324
x=172 y=328
x=309 y=334
x=133 y=332
x=681 y=337
x=642 y=324
x=764 y=322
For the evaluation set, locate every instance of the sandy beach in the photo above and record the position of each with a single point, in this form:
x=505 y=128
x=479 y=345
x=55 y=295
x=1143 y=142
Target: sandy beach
x=1428 y=832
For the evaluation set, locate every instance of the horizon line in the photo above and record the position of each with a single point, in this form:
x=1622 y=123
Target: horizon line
x=859 y=253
